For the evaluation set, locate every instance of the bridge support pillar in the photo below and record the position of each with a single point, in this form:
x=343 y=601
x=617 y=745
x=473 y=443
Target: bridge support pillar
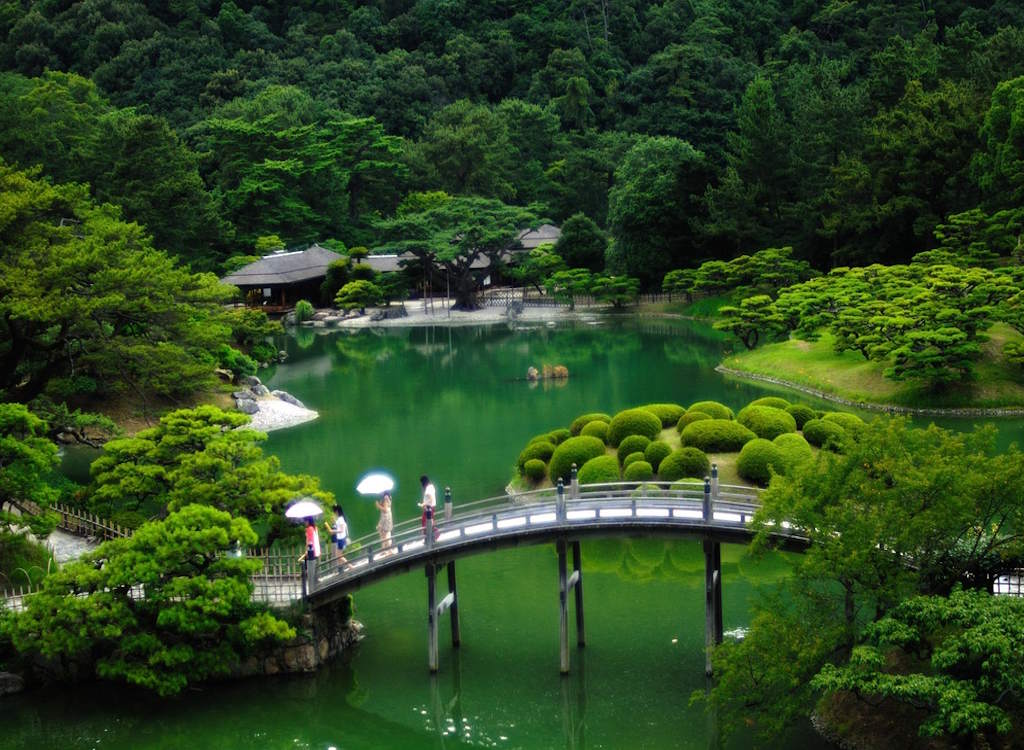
x=437 y=608
x=712 y=599
x=566 y=582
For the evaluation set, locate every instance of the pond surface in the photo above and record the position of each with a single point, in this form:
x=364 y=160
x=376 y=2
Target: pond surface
x=453 y=403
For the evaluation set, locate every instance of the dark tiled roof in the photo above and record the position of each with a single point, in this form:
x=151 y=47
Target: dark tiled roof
x=284 y=268
x=545 y=234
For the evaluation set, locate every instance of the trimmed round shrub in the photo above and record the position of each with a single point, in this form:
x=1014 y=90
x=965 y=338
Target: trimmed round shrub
x=638 y=471
x=632 y=444
x=669 y=414
x=581 y=421
x=824 y=434
x=686 y=484
x=717 y=435
x=773 y=401
x=684 y=462
x=766 y=422
x=633 y=422
x=599 y=470
x=576 y=450
x=851 y=423
x=559 y=436
x=802 y=414
x=795 y=449
x=758 y=458
x=632 y=458
x=545 y=438
x=655 y=452
x=597 y=429
x=539 y=450
x=689 y=418
x=713 y=409
x=303 y=311
x=535 y=470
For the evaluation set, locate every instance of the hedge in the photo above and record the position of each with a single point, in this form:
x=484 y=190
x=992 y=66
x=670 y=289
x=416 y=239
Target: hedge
x=795 y=449
x=559 y=436
x=656 y=452
x=638 y=471
x=669 y=414
x=689 y=418
x=824 y=434
x=538 y=450
x=599 y=470
x=632 y=458
x=802 y=414
x=713 y=409
x=581 y=421
x=575 y=450
x=773 y=401
x=633 y=422
x=632 y=444
x=597 y=429
x=758 y=458
x=535 y=470
x=766 y=422
x=717 y=435
x=684 y=462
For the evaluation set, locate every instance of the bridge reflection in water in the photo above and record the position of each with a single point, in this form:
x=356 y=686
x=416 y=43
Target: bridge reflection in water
x=713 y=513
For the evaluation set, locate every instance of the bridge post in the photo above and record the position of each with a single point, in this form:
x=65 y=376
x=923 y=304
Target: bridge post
x=574 y=485
x=447 y=503
x=577 y=574
x=708 y=512
x=453 y=609
x=563 y=608
x=712 y=599
x=428 y=531
x=560 y=500
x=432 y=657
x=714 y=481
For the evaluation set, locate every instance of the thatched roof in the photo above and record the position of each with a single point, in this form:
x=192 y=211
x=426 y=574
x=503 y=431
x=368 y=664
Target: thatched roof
x=285 y=268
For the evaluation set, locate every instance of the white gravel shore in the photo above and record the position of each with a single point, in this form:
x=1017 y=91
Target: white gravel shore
x=275 y=414
x=439 y=315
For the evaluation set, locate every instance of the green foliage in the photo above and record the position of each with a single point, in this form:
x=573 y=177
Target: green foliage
x=576 y=450
x=560 y=435
x=794 y=449
x=772 y=401
x=599 y=470
x=669 y=414
x=690 y=417
x=801 y=414
x=358 y=295
x=535 y=470
x=27 y=460
x=195 y=622
x=756 y=319
x=230 y=358
x=655 y=453
x=824 y=434
x=566 y=286
x=851 y=423
x=303 y=311
x=581 y=421
x=631 y=458
x=679 y=281
x=713 y=409
x=638 y=471
x=633 y=422
x=684 y=462
x=337 y=276
x=765 y=421
x=632 y=444
x=582 y=244
x=758 y=459
x=596 y=428
x=541 y=450
x=619 y=291
x=716 y=435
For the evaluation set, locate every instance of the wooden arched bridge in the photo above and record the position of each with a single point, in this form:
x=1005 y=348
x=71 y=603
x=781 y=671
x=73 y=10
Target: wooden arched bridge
x=563 y=515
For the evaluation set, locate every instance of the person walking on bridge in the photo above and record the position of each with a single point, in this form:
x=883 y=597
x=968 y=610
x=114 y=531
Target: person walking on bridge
x=429 y=501
x=386 y=524
x=339 y=532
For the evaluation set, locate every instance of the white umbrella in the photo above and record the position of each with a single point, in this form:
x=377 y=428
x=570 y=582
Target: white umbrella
x=374 y=484
x=303 y=509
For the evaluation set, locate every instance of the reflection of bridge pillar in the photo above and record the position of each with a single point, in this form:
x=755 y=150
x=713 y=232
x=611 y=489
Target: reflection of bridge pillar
x=566 y=582
x=435 y=609
x=712 y=598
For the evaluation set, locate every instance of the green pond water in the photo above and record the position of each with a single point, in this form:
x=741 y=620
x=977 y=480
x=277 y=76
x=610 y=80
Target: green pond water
x=453 y=403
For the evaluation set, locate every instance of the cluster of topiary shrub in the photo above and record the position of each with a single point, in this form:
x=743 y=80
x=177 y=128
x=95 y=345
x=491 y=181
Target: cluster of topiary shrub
x=770 y=434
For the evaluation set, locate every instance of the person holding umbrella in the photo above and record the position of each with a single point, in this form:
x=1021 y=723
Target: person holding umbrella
x=386 y=523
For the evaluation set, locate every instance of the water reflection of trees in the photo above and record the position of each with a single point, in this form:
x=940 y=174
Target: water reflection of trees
x=646 y=559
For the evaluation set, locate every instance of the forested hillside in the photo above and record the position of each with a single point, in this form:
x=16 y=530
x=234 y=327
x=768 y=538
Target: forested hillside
x=689 y=129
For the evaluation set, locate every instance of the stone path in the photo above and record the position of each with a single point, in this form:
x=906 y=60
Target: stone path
x=67 y=547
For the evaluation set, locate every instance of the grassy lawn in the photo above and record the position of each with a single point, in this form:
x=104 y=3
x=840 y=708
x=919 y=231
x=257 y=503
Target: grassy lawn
x=849 y=375
x=706 y=307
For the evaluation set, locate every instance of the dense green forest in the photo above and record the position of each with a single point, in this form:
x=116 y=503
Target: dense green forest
x=689 y=130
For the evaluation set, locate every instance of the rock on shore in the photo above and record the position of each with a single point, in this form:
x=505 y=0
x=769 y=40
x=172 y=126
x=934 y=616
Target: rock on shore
x=270 y=410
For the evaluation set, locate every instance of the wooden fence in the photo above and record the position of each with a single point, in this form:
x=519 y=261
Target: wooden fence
x=83 y=523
